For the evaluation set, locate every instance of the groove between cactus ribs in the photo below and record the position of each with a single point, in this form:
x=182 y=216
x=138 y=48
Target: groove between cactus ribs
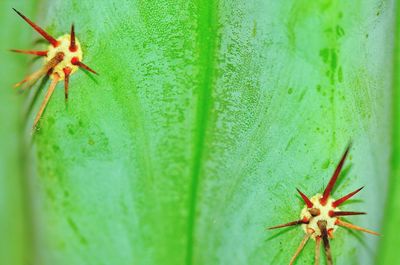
x=207 y=36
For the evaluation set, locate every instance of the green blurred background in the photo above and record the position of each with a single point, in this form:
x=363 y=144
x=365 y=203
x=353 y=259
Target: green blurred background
x=204 y=119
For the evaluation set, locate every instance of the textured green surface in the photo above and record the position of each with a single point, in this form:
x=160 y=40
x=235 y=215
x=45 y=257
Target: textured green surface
x=205 y=118
x=389 y=251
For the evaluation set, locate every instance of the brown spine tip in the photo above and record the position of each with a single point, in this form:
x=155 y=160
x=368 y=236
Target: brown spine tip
x=72 y=46
x=345 y=198
x=314 y=212
x=75 y=61
x=344 y=213
x=305 y=199
x=334 y=177
x=38 y=53
x=67 y=72
x=298 y=222
x=38 y=29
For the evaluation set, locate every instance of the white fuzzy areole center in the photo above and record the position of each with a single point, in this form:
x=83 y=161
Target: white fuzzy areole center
x=64 y=43
x=312 y=226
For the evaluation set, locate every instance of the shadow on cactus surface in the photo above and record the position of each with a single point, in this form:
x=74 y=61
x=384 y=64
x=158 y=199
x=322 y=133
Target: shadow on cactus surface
x=205 y=118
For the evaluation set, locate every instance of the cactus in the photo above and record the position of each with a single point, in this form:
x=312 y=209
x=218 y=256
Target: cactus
x=205 y=118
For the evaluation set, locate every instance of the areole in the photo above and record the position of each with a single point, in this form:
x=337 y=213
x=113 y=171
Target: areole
x=62 y=59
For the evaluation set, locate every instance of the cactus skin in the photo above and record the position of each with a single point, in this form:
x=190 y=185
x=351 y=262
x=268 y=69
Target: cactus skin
x=204 y=114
